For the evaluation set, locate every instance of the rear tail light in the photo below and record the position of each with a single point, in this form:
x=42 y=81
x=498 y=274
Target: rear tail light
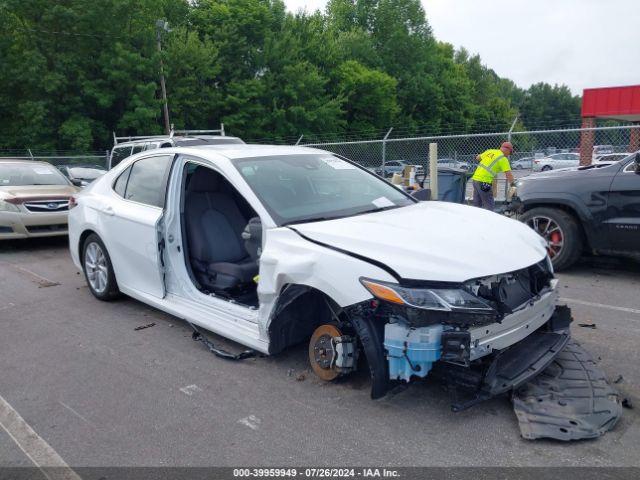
x=72 y=202
x=536 y=161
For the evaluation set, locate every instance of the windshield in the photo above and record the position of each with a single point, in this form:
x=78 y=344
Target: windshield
x=86 y=173
x=301 y=188
x=15 y=175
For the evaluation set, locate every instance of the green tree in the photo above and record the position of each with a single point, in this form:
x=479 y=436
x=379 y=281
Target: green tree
x=549 y=106
x=74 y=71
x=370 y=96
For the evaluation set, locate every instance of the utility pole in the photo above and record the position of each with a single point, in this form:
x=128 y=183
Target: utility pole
x=163 y=26
x=513 y=125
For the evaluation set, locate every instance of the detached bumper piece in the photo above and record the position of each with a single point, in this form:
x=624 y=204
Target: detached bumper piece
x=570 y=400
x=507 y=370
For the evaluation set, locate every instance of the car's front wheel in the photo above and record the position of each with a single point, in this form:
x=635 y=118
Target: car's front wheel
x=561 y=231
x=547 y=168
x=98 y=269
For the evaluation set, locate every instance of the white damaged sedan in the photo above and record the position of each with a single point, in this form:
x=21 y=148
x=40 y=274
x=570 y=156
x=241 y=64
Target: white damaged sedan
x=274 y=246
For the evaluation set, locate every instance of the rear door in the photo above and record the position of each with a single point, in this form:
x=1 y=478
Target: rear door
x=624 y=209
x=132 y=224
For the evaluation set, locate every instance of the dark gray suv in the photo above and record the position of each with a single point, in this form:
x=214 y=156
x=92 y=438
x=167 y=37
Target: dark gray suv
x=595 y=208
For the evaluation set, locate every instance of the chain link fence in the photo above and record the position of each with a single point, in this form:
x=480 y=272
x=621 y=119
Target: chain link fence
x=535 y=151
x=58 y=158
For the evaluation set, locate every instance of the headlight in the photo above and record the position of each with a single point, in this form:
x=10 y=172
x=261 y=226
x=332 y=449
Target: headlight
x=8 y=207
x=435 y=299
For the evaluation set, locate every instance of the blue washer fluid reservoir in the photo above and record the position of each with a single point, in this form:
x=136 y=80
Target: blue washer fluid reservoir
x=411 y=351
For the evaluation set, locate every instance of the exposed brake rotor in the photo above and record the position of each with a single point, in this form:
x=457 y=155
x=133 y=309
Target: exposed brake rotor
x=323 y=352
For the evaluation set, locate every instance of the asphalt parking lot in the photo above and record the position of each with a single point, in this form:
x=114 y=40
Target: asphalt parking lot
x=100 y=393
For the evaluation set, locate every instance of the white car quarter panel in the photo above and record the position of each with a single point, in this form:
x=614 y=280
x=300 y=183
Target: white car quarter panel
x=290 y=259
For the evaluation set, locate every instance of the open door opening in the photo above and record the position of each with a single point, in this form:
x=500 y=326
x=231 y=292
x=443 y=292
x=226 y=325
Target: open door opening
x=223 y=236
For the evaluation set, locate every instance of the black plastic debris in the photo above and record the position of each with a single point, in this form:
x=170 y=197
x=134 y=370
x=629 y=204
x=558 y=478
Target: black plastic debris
x=587 y=325
x=570 y=400
x=142 y=327
x=218 y=352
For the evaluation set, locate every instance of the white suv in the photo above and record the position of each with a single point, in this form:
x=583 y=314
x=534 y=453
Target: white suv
x=273 y=246
x=132 y=145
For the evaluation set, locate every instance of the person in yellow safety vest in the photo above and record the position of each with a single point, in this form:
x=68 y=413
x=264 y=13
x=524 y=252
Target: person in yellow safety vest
x=492 y=162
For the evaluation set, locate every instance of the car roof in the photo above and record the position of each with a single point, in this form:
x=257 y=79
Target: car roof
x=234 y=151
x=19 y=161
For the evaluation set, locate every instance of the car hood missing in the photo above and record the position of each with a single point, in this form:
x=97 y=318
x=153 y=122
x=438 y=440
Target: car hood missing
x=433 y=241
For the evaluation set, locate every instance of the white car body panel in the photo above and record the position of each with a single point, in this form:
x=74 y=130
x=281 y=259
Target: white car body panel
x=435 y=241
x=429 y=241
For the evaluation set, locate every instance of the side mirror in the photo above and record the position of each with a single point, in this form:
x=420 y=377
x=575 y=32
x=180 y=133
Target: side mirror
x=77 y=182
x=636 y=160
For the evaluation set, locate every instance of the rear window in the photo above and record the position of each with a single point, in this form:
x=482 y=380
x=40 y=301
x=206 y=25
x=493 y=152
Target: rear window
x=15 y=175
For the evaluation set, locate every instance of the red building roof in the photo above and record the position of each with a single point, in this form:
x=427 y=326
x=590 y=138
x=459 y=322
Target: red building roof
x=620 y=103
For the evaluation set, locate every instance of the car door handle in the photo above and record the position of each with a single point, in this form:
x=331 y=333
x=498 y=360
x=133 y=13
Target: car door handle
x=108 y=211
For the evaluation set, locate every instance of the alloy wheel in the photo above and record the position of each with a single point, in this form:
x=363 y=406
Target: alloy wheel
x=95 y=264
x=548 y=229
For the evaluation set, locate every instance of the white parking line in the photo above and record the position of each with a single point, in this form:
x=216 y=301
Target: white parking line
x=251 y=421
x=39 y=452
x=190 y=389
x=39 y=279
x=601 y=305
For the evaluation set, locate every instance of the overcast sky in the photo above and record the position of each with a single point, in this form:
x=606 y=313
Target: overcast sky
x=580 y=43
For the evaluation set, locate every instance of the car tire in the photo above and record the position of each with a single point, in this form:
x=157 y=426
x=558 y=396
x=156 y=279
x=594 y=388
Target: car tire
x=98 y=270
x=546 y=168
x=560 y=228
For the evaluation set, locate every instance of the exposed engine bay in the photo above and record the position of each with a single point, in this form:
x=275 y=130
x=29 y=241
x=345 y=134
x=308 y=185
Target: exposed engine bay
x=512 y=332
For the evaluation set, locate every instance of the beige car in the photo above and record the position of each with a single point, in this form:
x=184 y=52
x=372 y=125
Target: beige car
x=34 y=199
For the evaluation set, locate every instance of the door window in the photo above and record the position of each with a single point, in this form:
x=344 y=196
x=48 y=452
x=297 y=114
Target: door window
x=121 y=183
x=631 y=168
x=147 y=180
